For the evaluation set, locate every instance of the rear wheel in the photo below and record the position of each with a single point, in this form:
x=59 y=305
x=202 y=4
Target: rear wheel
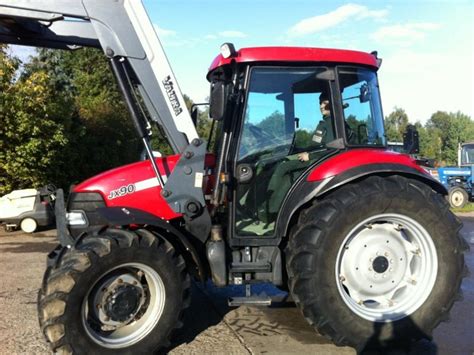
x=28 y=225
x=118 y=292
x=377 y=262
x=458 y=197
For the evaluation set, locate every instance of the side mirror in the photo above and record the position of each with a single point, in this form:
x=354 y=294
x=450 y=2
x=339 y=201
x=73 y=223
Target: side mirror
x=217 y=102
x=411 y=142
x=364 y=93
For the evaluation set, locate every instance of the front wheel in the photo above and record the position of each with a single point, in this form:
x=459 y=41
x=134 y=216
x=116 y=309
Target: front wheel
x=377 y=262
x=28 y=225
x=116 y=292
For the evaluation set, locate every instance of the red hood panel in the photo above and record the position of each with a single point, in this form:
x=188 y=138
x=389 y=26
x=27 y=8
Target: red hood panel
x=134 y=185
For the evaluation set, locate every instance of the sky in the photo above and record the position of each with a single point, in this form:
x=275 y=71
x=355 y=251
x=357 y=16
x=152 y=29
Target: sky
x=426 y=46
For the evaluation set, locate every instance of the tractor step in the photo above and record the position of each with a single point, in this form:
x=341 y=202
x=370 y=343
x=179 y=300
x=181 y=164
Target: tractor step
x=249 y=299
x=261 y=300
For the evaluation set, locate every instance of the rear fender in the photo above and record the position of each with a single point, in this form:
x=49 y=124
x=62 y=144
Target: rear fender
x=381 y=169
x=308 y=189
x=125 y=216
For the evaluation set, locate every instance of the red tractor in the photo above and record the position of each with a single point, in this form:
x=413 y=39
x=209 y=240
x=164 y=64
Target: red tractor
x=299 y=191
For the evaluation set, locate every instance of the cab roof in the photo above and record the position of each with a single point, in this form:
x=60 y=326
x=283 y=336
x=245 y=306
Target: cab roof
x=296 y=54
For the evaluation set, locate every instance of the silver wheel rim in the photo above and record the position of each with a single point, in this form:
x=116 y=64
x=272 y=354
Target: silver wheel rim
x=386 y=267
x=28 y=225
x=457 y=198
x=111 y=333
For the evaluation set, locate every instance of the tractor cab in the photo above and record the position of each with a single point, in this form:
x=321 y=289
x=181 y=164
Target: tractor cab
x=286 y=116
x=466 y=154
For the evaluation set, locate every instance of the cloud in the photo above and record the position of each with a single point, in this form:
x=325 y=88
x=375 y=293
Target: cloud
x=232 y=34
x=225 y=34
x=341 y=14
x=404 y=34
x=163 y=33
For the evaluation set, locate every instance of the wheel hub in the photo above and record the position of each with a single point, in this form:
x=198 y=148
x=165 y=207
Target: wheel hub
x=380 y=264
x=123 y=303
x=118 y=300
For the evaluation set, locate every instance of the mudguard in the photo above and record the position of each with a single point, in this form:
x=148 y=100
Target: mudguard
x=345 y=167
x=122 y=216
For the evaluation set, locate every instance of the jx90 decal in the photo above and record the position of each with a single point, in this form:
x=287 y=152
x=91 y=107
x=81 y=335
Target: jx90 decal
x=122 y=191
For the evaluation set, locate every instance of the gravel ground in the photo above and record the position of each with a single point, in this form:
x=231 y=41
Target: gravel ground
x=210 y=326
x=23 y=260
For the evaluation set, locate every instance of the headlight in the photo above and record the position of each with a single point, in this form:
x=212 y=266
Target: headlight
x=76 y=218
x=228 y=50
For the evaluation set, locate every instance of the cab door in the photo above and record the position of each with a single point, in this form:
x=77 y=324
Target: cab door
x=283 y=132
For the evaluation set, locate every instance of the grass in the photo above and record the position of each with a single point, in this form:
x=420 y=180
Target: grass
x=468 y=208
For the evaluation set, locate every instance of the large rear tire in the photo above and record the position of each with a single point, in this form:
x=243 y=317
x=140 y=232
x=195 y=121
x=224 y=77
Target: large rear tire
x=377 y=262
x=119 y=292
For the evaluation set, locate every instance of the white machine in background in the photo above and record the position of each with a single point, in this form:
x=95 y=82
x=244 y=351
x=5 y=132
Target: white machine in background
x=27 y=209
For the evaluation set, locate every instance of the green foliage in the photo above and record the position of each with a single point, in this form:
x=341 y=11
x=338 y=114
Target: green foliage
x=63 y=120
x=274 y=124
x=395 y=125
x=30 y=138
x=439 y=137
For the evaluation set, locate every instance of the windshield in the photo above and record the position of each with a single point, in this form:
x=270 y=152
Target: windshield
x=467 y=154
x=361 y=106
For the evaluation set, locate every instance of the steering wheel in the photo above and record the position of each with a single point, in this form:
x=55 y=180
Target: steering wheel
x=349 y=132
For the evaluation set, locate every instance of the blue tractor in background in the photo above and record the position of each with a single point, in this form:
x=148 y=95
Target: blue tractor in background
x=459 y=180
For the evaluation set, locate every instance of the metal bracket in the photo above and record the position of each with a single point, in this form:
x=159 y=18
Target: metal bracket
x=184 y=190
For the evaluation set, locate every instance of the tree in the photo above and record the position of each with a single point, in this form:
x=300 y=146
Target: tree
x=446 y=131
x=395 y=125
x=91 y=109
x=31 y=140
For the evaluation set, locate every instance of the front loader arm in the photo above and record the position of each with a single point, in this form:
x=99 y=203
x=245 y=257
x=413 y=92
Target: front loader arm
x=122 y=29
